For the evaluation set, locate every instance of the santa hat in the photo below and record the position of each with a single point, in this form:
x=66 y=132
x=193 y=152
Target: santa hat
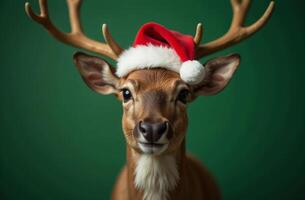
x=156 y=46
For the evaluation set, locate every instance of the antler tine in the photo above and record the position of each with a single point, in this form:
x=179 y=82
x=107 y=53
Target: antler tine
x=240 y=8
x=43 y=8
x=262 y=21
x=109 y=39
x=198 y=35
x=76 y=37
x=43 y=12
x=74 y=7
x=237 y=32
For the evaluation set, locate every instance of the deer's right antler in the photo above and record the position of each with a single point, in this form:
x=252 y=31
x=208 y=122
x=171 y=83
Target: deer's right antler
x=76 y=37
x=237 y=31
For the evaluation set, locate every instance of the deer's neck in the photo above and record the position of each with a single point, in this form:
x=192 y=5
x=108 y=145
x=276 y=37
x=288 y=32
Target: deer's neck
x=154 y=177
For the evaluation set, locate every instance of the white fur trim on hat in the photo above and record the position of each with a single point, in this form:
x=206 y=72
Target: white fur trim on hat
x=150 y=56
x=147 y=56
x=192 y=72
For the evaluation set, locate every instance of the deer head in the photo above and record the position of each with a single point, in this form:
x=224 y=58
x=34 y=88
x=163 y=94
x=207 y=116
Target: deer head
x=154 y=100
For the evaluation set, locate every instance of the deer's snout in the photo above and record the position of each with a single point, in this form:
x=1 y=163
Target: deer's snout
x=152 y=132
x=153 y=137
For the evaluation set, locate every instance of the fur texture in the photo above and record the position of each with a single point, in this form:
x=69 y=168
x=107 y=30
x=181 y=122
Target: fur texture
x=192 y=72
x=149 y=56
x=156 y=176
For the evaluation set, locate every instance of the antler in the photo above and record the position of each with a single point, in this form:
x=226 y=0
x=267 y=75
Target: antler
x=198 y=35
x=76 y=37
x=237 y=31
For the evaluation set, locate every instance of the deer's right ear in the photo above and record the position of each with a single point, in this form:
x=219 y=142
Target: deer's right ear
x=96 y=73
x=219 y=72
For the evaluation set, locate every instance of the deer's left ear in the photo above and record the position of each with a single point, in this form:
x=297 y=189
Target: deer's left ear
x=97 y=73
x=218 y=73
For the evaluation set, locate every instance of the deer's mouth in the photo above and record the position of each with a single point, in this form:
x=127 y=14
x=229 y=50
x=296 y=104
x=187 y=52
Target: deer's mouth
x=146 y=144
x=152 y=148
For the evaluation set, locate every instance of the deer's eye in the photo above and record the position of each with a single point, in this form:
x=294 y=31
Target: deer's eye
x=182 y=96
x=126 y=94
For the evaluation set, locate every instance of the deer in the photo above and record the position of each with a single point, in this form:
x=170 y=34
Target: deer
x=155 y=84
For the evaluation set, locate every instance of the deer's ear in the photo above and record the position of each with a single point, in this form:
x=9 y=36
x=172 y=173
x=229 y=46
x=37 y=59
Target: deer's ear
x=96 y=73
x=218 y=73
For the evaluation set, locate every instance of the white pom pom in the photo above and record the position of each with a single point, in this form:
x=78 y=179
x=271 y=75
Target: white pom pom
x=192 y=72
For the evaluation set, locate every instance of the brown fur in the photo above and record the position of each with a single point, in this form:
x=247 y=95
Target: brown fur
x=195 y=182
x=154 y=84
x=154 y=97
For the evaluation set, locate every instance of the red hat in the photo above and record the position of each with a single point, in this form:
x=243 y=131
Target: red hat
x=157 y=46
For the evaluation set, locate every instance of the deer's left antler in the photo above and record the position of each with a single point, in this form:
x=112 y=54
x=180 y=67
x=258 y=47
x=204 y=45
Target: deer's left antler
x=76 y=37
x=237 y=31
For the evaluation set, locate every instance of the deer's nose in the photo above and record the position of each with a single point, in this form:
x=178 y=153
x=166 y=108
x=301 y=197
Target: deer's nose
x=152 y=132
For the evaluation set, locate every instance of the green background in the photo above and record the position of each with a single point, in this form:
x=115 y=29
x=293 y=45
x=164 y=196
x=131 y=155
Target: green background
x=59 y=140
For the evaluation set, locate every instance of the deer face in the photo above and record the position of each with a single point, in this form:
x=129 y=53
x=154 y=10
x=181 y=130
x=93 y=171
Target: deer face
x=154 y=103
x=154 y=100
